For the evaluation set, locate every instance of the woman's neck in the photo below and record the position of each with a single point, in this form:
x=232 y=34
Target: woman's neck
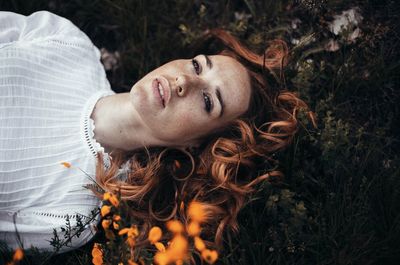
x=118 y=125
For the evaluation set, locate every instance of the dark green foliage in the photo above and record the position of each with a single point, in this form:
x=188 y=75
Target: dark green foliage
x=339 y=202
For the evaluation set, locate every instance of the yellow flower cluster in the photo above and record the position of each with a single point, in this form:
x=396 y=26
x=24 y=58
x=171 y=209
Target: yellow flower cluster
x=113 y=221
x=197 y=215
x=17 y=257
x=108 y=220
x=131 y=233
x=177 y=250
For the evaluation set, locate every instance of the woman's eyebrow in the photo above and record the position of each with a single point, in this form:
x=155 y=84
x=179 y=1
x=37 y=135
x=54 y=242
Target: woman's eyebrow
x=220 y=101
x=217 y=91
x=208 y=62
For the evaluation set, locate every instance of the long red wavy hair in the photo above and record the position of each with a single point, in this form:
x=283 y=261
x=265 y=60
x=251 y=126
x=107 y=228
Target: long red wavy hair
x=225 y=170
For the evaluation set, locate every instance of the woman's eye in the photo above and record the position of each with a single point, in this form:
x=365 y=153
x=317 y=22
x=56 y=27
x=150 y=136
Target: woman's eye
x=196 y=66
x=207 y=102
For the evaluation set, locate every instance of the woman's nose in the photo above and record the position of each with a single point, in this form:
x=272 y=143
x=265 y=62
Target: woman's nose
x=185 y=83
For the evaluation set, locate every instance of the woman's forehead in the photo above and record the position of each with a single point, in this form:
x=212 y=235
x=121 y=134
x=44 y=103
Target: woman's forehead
x=233 y=82
x=230 y=68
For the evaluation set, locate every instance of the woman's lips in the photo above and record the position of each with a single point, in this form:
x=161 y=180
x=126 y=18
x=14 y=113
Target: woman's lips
x=158 y=84
x=157 y=94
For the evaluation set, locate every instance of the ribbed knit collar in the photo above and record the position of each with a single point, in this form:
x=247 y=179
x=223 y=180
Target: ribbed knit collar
x=88 y=127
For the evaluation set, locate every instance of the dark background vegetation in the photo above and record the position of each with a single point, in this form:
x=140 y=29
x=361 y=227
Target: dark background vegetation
x=339 y=202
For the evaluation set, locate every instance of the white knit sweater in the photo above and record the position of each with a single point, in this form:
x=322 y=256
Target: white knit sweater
x=50 y=79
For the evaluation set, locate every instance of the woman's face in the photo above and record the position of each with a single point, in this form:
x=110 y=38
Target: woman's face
x=184 y=100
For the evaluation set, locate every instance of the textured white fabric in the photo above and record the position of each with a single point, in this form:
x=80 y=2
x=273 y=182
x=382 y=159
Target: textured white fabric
x=50 y=79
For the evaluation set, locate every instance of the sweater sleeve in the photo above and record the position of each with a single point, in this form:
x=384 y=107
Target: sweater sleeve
x=38 y=26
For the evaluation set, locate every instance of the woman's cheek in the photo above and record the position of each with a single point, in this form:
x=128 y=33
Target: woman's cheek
x=186 y=119
x=187 y=123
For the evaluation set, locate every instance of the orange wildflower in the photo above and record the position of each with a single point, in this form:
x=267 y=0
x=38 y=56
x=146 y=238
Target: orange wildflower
x=106 y=224
x=131 y=242
x=179 y=262
x=196 y=212
x=193 y=229
x=175 y=226
x=155 y=234
x=160 y=246
x=96 y=250
x=114 y=200
x=116 y=226
x=97 y=261
x=132 y=232
x=107 y=196
x=116 y=218
x=105 y=210
x=97 y=255
x=66 y=164
x=123 y=231
x=161 y=258
x=178 y=247
x=199 y=244
x=18 y=254
x=210 y=256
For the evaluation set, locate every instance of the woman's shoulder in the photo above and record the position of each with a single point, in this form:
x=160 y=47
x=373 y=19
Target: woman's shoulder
x=40 y=25
x=51 y=25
